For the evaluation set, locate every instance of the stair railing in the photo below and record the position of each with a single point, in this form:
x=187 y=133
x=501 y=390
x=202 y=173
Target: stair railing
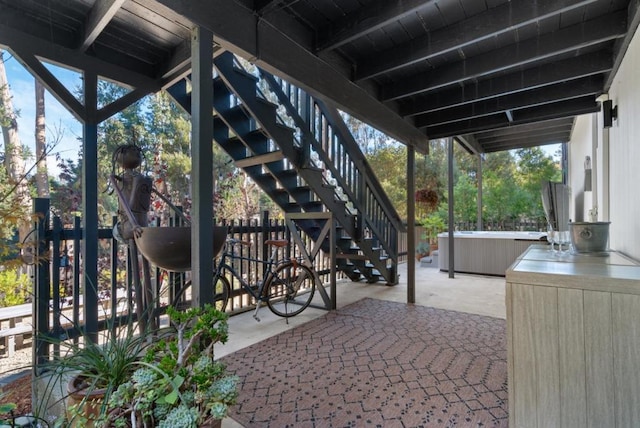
x=328 y=138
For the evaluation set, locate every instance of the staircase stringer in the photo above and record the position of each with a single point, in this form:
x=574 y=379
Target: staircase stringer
x=224 y=132
x=233 y=78
x=340 y=153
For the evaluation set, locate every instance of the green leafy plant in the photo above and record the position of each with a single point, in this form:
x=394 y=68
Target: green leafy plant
x=432 y=225
x=93 y=370
x=422 y=249
x=15 y=287
x=87 y=370
x=7 y=411
x=178 y=383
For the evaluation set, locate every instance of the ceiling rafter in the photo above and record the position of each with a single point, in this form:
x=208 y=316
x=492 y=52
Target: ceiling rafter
x=60 y=54
x=239 y=30
x=523 y=144
x=549 y=74
x=470 y=144
x=513 y=102
x=459 y=68
x=179 y=64
x=100 y=15
x=366 y=20
x=544 y=47
x=492 y=23
x=510 y=132
x=534 y=114
x=541 y=133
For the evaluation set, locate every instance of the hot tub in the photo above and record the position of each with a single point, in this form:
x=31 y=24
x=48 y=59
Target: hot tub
x=485 y=252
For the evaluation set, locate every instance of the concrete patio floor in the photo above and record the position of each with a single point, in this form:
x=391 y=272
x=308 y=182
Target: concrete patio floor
x=483 y=295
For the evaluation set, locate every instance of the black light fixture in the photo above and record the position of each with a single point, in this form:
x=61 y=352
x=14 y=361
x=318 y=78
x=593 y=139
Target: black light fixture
x=609 y=113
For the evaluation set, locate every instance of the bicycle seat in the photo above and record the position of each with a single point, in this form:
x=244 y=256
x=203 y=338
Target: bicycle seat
x=277 y=242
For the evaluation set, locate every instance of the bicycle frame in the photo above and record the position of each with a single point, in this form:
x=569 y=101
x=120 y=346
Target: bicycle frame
x=255 y=290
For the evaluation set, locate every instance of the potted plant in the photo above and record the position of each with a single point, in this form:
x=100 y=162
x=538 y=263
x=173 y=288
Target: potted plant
x=178 y=383
x=433 y=225
x=422 y=250
x=96 y=369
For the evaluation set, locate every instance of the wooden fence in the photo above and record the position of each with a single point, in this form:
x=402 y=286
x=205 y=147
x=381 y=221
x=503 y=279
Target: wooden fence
x=60 y=271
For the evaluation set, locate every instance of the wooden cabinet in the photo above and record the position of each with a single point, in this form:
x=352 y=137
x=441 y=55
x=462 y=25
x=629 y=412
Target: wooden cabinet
x=573 y=333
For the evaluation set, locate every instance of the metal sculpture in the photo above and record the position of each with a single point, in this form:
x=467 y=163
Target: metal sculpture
x=166 y=247
x=134 y=199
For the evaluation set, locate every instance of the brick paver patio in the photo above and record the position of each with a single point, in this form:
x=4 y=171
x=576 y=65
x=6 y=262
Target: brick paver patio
x=377 y=363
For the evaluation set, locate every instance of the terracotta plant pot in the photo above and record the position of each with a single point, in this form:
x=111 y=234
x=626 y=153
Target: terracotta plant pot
x=90 y=400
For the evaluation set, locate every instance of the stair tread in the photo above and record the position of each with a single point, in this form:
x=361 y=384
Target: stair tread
x=268 y=143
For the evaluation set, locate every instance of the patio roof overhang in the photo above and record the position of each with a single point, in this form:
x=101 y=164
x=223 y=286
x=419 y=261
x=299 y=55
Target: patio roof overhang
x=503 y=74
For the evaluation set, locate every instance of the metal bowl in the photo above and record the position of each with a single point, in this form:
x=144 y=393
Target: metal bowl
x=169 y=248
x=587 y=237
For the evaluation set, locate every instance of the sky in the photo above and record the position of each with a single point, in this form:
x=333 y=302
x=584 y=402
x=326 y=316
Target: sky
x=59 y=122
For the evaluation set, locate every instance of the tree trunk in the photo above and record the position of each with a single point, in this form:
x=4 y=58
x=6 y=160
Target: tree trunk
x=14 y=160
x=42 y=175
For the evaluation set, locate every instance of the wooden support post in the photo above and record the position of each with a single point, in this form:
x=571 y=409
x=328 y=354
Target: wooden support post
x=202 y=169
x=411 y=224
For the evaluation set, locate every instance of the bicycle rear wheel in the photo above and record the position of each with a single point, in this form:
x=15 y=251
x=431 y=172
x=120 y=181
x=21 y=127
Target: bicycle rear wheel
x=222 y=289
x=289 y=289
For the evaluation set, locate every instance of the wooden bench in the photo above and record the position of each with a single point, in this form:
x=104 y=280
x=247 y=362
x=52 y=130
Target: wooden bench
x=13 y=338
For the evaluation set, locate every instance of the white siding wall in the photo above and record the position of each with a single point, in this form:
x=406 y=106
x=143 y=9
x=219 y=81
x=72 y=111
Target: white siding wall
x=623 y=207
x=624 y=141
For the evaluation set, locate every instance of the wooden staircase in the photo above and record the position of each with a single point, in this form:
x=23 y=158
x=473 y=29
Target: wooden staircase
x=300 y=152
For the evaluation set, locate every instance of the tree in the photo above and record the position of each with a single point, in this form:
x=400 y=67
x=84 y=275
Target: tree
x=42 y=175
x=533 y=168
x=465 y=194
x=389 y=164
x=17 y=194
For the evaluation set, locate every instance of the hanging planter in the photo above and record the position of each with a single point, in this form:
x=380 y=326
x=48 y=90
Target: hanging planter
x=428 y=198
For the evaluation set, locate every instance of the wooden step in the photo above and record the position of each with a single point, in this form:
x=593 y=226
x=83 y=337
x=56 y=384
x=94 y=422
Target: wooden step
x=259 y=159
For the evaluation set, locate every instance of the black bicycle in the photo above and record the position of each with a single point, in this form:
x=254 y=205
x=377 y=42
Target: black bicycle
x=288 y=286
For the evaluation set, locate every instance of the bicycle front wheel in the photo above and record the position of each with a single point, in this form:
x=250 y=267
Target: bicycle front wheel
x=289 y=289
x=222 y=289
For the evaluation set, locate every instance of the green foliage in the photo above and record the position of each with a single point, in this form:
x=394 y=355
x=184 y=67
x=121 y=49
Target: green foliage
x=6 y=412
x=6 y=408
x=15 y=287
x=511 y=181
x=423 y=248
x=178 y=383
x=433 y=225
x=465 y=193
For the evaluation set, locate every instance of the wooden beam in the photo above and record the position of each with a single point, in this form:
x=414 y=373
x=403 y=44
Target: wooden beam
x=527 y=52
x=366 y=20
x=121 y=103
x=633 y=20
x=264 y=39
x=532 y=141
x=562 y=109
x=494 y=22
x=511 y=131
x=522 y=80
x=470 y=144
x=99 y=16
x=59 y=53
x=201 y=166
x=591 y=85
x=53 y=85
